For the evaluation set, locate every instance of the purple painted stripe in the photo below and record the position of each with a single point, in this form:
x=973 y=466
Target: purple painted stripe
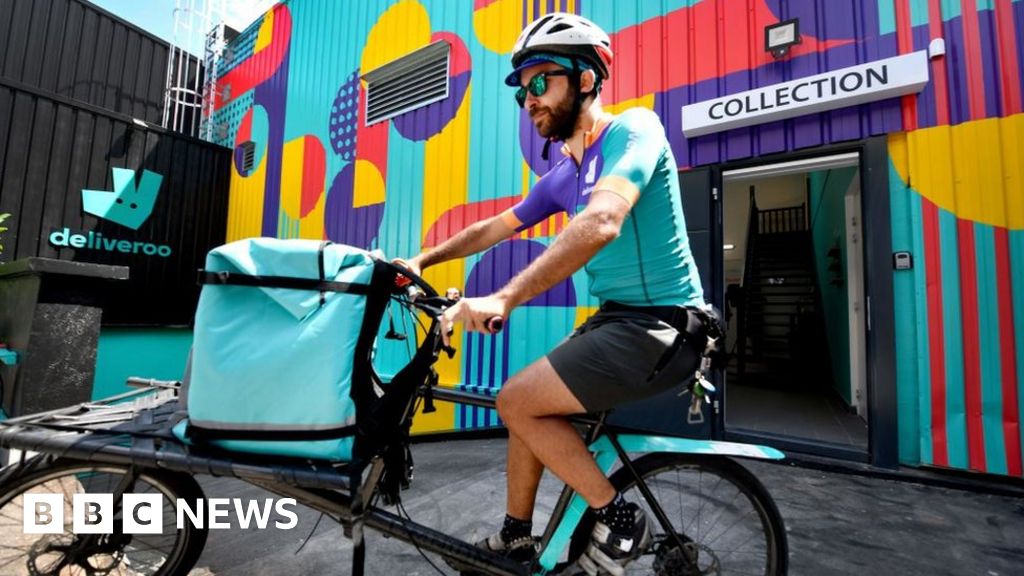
x=469 y=355
x=843 y=124
x=737 y=143
x=956 y=69
x=551 y=6
x=990 y=63
x=1018 y=17
x=927 y=114
x=833 y=25
x=885 y=116
x=272 y=95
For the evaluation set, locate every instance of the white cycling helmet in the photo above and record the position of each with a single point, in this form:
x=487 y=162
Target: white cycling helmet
x=561 y=34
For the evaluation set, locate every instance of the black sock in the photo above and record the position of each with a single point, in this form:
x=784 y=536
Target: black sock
x=617 y=515
x=515 y=528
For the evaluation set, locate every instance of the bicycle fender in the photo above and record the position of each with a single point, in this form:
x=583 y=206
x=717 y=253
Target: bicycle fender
x=644 y=443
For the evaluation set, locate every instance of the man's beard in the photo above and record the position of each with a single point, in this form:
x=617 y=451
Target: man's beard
x=559 y=123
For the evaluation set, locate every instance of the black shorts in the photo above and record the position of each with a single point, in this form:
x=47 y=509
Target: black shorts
x=612 y=359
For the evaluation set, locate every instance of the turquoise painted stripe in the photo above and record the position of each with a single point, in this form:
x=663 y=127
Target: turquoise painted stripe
x=886 y=17
x=158 y=353
x=950 y=9
x=991 y=365
x=499 y=134
x=924 y=366
x=918 y=12
x=1016 y=238
x=956 y=407
x=986 y=5
x=908 y=307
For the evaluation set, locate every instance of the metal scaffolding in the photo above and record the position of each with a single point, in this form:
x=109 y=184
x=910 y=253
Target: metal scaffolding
x=191 y=84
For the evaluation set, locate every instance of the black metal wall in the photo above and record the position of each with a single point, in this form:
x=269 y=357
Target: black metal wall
x=51 y=148
x=77 y=50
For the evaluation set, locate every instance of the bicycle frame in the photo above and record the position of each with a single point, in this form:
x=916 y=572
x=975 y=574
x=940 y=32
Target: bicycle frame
x=608 y=445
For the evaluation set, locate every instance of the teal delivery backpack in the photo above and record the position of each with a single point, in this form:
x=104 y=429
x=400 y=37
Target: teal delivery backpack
x=281 y=357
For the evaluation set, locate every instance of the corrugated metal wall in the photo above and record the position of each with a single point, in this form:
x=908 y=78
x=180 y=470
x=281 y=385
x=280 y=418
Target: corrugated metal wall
x=957 y=188
x=409 y=183
x=51 y=149
x=80 y=51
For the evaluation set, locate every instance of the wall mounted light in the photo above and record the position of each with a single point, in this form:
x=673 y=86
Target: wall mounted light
x=729 y=247
x=778 y=38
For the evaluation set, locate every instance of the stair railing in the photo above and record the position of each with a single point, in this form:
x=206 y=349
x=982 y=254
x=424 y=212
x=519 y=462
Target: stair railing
x=748 y=275
x=782 y=220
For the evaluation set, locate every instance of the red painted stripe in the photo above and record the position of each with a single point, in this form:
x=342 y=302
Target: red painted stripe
x=972 y=48
x=936 y=344
x=372 y=141
x=972 y=353
x=314 y=170
x=244 y=133
x=1009 y=73
x=1007 y=337
x=699 y=30
x=261 y=65
x=939 y=73
x=905 y=44
x=456 y=219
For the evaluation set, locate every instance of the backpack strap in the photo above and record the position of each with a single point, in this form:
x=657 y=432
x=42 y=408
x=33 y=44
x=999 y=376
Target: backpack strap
x=239 y=279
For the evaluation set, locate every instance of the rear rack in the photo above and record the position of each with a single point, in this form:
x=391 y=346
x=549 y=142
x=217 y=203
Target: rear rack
x=134 y=429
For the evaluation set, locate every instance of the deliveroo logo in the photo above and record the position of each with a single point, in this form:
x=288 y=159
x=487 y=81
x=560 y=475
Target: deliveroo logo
x=128 y=204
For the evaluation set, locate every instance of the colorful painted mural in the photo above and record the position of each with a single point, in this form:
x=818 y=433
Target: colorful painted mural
x=293 y=87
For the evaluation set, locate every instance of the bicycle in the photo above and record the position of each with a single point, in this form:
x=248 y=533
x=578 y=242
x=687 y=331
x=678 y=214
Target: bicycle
x=709 y=514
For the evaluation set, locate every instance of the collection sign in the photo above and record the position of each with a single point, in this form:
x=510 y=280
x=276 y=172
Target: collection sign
x=878 y=80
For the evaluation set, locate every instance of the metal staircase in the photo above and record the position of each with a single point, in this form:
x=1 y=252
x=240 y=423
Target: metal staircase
x=779 y=320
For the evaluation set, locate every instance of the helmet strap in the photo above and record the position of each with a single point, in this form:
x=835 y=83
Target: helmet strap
x=569 y=128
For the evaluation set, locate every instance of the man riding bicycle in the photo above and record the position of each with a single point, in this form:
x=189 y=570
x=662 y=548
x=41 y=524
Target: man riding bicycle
x=618 y=183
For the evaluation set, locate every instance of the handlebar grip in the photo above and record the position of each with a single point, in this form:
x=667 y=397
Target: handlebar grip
x=495 y=324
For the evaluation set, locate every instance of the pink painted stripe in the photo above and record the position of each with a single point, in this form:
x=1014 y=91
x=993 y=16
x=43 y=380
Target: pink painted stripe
x=1008 y=355
x=1009 y=71
x=972 y=352
x=972 y=45
x=937 y=357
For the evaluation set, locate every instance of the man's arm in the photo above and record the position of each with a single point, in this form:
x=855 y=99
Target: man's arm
x=589 y=231
x=475 y=238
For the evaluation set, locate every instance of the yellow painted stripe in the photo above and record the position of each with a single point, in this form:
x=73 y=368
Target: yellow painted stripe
x=266 y=32
x=245 y=202
x=445 y=185
x=292 y=156
x=972 y=170
x=646 y=101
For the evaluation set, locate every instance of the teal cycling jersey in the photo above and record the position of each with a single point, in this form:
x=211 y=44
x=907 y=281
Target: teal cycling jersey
x=650 y=263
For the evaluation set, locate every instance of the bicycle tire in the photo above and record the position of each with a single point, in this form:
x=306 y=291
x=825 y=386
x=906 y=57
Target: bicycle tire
x=673 y=473
x=132 y=556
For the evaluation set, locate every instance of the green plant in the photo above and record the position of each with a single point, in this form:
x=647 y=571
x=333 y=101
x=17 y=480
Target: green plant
x=3 y=229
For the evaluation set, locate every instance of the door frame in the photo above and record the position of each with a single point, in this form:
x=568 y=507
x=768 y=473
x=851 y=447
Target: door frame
x=880 y=353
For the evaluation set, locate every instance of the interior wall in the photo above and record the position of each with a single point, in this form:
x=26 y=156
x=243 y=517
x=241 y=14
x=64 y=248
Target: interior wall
x=828 y=228
x=777 y=192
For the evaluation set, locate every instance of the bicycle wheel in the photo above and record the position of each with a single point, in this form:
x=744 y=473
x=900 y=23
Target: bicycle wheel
x=723 y=515
x=172 y=552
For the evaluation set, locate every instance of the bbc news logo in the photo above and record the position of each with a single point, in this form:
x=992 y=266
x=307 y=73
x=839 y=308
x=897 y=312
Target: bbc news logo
x=143 y=513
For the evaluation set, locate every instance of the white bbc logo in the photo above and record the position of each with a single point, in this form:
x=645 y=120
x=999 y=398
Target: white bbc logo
x=93 y=514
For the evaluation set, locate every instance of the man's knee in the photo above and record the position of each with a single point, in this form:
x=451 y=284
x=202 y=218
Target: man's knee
x=509 y=402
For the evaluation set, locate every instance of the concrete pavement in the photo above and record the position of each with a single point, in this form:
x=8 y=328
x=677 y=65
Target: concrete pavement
x=837 y=523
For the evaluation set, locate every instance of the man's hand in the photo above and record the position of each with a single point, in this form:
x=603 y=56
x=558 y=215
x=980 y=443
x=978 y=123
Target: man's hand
x=412 y=265
x=474 y=314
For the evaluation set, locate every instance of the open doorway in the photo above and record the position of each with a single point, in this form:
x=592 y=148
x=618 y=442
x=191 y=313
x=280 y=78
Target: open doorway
x=794 y=275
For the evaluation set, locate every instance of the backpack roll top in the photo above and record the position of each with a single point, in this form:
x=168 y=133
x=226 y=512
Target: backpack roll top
x=282 y=344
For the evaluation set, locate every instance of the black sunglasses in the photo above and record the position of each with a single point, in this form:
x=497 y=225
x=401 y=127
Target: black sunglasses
x=537 y=85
